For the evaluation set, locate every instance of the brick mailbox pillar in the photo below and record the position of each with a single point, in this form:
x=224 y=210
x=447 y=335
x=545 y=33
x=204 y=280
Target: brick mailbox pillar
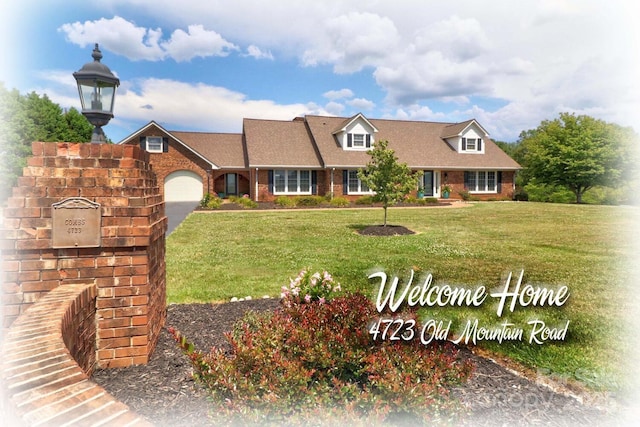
x=123 y=254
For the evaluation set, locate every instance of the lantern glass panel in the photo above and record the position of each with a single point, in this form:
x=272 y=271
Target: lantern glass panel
x=96 y=95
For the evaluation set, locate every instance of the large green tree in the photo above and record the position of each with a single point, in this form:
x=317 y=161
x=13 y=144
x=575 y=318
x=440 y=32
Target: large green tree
x=577 y=152
x=28 y=118
x=389 y=179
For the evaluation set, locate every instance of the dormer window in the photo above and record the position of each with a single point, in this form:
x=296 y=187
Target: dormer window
x=471 y=144
x=358 y=140
x=355 y=133
x=466 y=137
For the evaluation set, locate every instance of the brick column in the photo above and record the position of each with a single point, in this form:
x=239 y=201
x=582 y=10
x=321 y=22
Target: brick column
x=129 y=266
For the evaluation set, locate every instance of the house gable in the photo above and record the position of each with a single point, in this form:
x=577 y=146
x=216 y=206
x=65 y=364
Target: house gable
x=466 y=137
x=150 y=135
x=356 y=133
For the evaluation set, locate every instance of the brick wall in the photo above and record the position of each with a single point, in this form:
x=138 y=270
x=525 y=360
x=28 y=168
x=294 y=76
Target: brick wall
x=176 y=159
x=78 y=326
x=455 y=179
x=128 y=268
x=46 y=363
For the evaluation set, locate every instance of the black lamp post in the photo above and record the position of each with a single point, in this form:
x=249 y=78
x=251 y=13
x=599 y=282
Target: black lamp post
x=97 y=88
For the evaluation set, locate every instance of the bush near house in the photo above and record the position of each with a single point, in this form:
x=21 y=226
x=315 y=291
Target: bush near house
x=245 y=202
x=211 y=201
x=301 y=361
x=285 y=202
x=364 y=200
x=340 y=202
x=309 y=200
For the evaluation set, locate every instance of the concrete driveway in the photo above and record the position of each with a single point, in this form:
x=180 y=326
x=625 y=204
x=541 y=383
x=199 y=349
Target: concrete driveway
x=176 y=213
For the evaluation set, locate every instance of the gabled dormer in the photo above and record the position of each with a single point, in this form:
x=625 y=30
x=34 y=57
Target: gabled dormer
x=466 y=137
x=356 y=134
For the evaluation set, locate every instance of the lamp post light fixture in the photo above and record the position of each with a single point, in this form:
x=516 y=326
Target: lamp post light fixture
x=97 y=89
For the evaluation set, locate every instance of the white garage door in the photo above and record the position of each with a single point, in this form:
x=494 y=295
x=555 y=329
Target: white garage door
x=182 y=186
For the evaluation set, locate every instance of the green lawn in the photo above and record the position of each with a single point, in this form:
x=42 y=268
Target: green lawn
x=216 y=256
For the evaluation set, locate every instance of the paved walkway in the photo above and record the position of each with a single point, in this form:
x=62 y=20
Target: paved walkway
x=176 y=213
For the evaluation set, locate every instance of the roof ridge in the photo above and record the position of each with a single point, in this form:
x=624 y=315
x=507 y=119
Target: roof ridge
x=386 y=119
x=271 y=120
x=205 y=132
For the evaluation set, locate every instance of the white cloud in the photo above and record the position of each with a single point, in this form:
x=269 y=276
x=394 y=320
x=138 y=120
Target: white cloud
x=461 y=39
x=338 y=94
x=361 y=104
x=257 y=53
x=334 y=108
x=184 y=46
x=199 y=106
x=352 y=41
x=417 y=112
x=432 y=75
x=137 y=43
x=536 y=57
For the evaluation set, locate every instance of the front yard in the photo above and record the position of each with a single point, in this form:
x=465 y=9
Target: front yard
x=216 y=256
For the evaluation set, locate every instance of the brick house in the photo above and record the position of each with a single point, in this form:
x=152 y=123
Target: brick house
x=321 y=155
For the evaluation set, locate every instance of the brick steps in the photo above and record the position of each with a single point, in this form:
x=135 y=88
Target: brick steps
x=43 y=383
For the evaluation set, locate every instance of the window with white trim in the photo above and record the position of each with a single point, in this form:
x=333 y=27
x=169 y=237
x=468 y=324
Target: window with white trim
x=481 y=181
x=291 y=181
x=154 y=144
x=358 y=141
x=473 y=145
x=355 y=185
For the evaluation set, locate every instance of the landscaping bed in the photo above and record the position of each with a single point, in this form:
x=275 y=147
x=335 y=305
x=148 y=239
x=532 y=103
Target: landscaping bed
x=210 y=203
x=164 y=392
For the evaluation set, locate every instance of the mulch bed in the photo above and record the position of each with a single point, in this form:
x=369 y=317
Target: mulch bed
x=388 y=230
x=228 y=206
x=164 y=392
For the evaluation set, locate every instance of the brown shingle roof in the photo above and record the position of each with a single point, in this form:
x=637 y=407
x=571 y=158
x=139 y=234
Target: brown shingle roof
x=419 y=144
x=272 y=143
x=225 y=150
x=311 y=143
x=455 y=129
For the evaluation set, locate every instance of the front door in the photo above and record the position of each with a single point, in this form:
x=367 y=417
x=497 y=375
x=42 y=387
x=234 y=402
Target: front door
x=429 y=187
x=231 y=184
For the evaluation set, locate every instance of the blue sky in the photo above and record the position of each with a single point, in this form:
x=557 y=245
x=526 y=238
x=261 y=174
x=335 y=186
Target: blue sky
x=204 y=65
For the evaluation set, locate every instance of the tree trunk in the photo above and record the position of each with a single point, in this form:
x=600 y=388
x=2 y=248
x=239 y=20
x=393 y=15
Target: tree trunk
x=385 y=216
x=579 y=191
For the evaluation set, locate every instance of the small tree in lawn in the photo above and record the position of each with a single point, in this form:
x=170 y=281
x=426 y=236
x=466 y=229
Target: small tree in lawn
x=390 y=180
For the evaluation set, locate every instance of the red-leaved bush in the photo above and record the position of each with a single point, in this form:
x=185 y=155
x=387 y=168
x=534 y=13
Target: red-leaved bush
x=317 y=364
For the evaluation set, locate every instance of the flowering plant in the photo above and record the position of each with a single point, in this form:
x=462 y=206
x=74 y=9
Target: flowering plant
x=309 y=287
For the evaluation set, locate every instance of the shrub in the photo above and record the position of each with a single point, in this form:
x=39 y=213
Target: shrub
x=211 y=201
x=247 y=203
x=309 y=200
x=205 y=200
x=548 y=193
x=411 y=199
x=285 y=201
x=364 y=200
x=603 y=196
x=300 y=361
x=340 y=202
x=431 y=200
x=465 y=195
x=307 y=288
